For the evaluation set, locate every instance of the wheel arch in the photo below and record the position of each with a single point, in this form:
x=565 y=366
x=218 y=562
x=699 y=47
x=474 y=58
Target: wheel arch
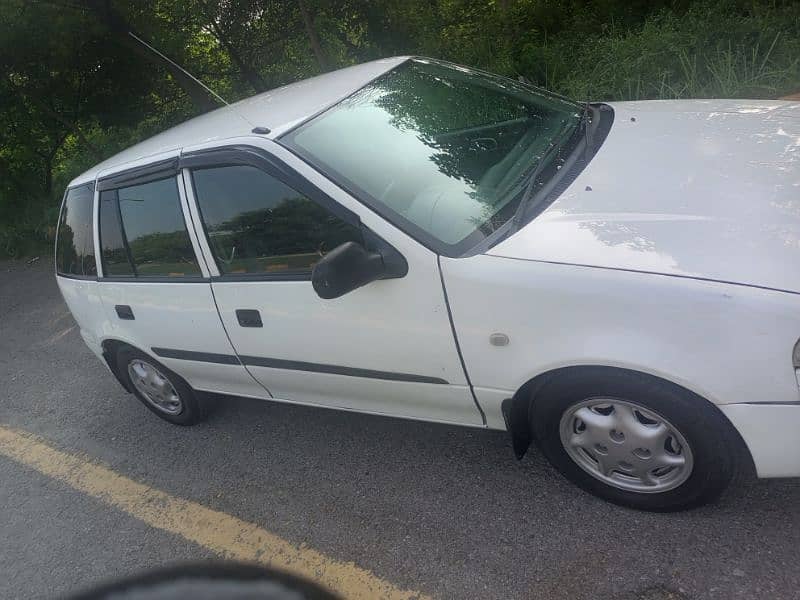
x=110 y=347
x=516 y=410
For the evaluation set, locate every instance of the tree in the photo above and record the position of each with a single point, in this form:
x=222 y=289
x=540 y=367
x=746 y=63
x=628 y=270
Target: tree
x=75 y=86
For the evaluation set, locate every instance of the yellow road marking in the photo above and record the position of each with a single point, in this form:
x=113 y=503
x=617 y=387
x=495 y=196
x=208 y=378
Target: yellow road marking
x=54 y=338
x=228 y=536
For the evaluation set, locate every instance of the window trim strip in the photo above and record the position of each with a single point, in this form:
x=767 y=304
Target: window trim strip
x=161 y=169
x=192 y=212
x=98 y=258
x=155 y=279
x=254 y=277
x=78 y=277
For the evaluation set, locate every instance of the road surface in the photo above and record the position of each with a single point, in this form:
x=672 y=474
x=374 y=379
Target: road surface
x=431 y=510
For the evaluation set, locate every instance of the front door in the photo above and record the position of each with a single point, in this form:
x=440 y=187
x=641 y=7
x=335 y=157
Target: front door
x=386 y=348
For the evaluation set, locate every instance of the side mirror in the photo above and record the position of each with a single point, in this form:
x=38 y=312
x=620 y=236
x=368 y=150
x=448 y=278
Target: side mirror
x=344 y=269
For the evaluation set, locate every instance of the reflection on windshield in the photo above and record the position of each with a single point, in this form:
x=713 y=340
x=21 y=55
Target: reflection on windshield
x=444 y=148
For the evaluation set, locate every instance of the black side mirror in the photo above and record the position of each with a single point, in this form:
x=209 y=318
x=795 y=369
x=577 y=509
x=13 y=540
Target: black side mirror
x=344 y=269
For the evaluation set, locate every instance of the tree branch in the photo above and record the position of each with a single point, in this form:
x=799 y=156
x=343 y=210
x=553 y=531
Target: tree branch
x=313 y=38
x=248 y=72
x=52 y=113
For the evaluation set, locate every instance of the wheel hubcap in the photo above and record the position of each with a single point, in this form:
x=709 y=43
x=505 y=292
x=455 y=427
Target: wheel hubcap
x=626 y=445
x=154 y=387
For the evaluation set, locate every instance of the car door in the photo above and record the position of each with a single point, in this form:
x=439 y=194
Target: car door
x=386 y=348
x=153 y=284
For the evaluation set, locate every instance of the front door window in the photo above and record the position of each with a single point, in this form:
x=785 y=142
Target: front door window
x=258 y=225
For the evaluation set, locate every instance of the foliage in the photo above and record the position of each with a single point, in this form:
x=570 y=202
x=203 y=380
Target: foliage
x=76 y=87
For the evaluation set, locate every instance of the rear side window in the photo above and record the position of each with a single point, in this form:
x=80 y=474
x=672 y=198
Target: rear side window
x=257 y=225
x=143 y=233
x=75 y=242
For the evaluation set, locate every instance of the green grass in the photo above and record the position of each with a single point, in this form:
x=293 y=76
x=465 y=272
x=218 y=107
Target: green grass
x=714 y=50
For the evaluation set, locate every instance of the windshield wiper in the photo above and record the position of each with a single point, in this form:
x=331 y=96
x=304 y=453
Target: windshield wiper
x=556 y=145
x=558 y=142
x=586 y=121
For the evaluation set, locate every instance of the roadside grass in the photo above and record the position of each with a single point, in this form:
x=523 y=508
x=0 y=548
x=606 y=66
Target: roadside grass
x=28 y=239
x=710 y=51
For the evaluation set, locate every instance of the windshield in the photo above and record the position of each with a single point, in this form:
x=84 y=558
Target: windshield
x=442 y=151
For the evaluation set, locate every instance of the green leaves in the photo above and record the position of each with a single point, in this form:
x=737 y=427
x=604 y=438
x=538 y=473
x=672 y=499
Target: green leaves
x=75 y=88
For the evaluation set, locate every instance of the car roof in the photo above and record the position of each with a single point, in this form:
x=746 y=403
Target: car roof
x=278 y=110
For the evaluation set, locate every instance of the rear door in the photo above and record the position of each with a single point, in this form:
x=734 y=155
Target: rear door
x=266 y=218
x=155 y=286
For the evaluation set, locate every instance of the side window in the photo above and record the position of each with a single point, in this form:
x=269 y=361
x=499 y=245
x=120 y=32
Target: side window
x=75 y=243
x=256 y=224
x=143 y=233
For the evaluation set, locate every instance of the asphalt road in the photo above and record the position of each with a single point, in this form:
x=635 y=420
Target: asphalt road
x=442 y=510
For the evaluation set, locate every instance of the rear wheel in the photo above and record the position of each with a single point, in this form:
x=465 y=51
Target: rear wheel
x=159 y=389
x=633 y=440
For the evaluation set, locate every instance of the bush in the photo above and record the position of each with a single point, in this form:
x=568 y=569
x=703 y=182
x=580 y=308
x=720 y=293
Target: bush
x=714 y=49
x=28 y=238
x=584 y=49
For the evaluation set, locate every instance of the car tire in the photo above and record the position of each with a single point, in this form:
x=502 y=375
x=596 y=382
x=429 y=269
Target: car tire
x=634 y=440
x=162 y=391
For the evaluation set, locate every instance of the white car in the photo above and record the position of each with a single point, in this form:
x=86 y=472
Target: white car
x=618 y=283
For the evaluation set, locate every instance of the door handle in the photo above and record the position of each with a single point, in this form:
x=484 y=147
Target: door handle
x=124 y=312
x=248 y=317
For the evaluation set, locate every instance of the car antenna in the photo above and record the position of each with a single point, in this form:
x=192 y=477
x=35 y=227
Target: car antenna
x=173 y=63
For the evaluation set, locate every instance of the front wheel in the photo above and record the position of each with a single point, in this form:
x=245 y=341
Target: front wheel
x=158 y=388
x=633 y=440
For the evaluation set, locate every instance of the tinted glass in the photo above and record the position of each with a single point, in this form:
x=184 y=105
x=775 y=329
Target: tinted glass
x=154 y=230
x=75 y=243
x=446 y=149
x=115 y=255
x=256 y=224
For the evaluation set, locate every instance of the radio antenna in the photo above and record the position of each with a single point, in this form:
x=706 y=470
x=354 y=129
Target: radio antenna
x=172 y=62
